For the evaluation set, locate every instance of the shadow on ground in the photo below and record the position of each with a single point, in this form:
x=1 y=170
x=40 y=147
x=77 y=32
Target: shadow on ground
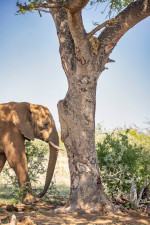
x=43 y=213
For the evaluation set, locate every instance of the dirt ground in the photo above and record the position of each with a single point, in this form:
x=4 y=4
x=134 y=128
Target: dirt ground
x=43 y=214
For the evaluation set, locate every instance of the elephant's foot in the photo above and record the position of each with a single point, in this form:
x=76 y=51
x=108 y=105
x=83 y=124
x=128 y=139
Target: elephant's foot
x=29 y=199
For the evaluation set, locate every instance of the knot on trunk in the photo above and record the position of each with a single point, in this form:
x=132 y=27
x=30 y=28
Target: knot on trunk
x=82 y=167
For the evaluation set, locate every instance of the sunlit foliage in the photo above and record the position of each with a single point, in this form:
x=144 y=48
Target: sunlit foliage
x=113 y=4
x=110 y=5
x=124 y=156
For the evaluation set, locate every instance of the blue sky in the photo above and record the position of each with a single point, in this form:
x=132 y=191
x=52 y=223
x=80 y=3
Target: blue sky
x=30 y=67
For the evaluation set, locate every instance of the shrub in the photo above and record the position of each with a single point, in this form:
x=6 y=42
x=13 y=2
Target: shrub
x=123 y=156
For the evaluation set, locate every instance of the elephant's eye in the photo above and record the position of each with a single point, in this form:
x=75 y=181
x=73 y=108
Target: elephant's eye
x=45 y=124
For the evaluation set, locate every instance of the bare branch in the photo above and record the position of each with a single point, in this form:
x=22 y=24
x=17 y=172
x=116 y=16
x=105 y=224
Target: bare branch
x=42 y=10
x=109 y=177
x=141 y=193
x=110 y=60
x=135 y=12
x=99 y=27
x=39 y=13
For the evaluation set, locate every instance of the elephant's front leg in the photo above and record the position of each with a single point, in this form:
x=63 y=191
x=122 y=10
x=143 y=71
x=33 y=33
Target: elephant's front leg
x=2 y=161
x=18 y=162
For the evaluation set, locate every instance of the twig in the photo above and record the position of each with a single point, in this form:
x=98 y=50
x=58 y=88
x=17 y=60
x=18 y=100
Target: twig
x=110 y=60
x=97 y=29
x=141 y=193
x=113 y=175
x=100 y=27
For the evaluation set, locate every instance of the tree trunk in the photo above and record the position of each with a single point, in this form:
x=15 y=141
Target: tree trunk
x=77 y=119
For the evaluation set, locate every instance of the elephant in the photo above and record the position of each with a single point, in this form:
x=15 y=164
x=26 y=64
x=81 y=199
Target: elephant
x=20 y=121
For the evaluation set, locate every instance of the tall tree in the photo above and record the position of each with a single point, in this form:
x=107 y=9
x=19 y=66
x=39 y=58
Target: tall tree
x=83 y=59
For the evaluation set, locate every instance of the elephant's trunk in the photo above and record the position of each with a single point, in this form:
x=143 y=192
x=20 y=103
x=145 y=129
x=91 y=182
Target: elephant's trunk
x=51 y=165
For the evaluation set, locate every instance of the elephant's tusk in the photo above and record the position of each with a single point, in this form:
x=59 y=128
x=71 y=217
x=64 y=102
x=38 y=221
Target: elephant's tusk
x=55 y=146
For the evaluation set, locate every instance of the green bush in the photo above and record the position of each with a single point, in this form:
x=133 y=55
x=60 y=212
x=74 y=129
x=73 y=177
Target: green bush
x=37 y=157
x=123 y=156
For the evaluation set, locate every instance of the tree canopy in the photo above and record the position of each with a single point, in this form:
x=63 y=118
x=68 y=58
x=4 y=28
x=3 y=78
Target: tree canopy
x=113 y=5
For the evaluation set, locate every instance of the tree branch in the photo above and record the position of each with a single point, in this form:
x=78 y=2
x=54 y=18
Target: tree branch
x=141 y=193
x=125 y=20
x=76 y=28
x=111 y=176
x=110 y=60
x=72 y=5
x=99 y=27
x=41 y=6
x=42 y=10
x=66 y=43
x=76 y=5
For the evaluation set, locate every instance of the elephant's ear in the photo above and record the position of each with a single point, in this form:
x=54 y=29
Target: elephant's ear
x=21 y=117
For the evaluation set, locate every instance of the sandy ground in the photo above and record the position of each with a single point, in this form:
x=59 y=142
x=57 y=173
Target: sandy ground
x=43 y=214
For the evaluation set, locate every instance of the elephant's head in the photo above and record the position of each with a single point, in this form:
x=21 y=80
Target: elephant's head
x=36 y=121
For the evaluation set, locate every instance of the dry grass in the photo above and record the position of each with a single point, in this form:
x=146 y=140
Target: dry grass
x=61 y=181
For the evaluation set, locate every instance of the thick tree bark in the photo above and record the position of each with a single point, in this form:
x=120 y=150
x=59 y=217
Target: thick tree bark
x=77 y=119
